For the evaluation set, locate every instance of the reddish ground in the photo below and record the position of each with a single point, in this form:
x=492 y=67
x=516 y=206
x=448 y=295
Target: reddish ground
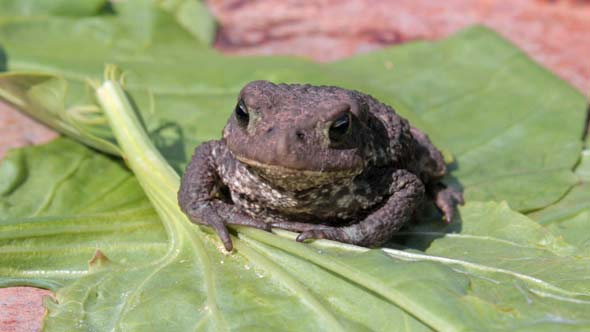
x=555 y=33
x=21 y=309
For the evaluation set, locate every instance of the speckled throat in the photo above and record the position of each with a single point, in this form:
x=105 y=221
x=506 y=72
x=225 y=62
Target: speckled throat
x=296 y=179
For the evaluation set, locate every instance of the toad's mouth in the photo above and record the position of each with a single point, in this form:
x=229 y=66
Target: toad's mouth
x=298 y=179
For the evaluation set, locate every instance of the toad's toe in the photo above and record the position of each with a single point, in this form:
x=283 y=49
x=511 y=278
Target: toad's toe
x=328 y=233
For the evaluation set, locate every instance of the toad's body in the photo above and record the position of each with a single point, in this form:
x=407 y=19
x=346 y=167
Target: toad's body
x=325 y=161
x=330 y=203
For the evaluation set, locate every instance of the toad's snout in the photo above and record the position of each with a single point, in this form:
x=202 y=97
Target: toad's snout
x=287 y=146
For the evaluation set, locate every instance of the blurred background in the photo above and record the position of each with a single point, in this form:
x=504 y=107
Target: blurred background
x=556 y=33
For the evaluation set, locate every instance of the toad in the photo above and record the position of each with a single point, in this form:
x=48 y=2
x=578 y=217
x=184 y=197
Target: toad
x=322 y=161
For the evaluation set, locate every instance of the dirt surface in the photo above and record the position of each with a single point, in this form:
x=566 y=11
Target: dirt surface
x=16 y=129
x=555 y=33
x=21 y=309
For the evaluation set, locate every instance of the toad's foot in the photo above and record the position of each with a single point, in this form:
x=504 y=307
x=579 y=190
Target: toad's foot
x=296 y=226
x=234 y=218
x=218 y=215
x=328 y=233
x=446 y=199
x=313 y=231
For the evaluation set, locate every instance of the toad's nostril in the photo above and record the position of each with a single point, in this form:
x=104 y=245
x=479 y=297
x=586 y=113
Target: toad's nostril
x=270 y=130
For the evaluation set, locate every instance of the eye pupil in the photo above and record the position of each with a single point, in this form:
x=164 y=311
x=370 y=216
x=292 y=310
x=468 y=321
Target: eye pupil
x=242 y=114
x=339 y=128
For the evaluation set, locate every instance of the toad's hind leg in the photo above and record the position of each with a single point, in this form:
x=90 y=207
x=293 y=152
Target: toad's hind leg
x=407 y=192
x=430 y=166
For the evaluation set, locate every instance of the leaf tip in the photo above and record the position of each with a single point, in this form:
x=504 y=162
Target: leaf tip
x=98 y=261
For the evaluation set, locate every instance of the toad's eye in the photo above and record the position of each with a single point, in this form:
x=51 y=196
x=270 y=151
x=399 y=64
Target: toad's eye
x=242 y=114
x=340 y=128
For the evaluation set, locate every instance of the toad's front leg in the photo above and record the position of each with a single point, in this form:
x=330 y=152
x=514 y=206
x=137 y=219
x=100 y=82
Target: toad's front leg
x=407 y=193
x=198 y=196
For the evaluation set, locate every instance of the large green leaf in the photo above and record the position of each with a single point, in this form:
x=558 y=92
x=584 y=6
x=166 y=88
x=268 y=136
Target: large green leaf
x=471 y=281
x=493 y=270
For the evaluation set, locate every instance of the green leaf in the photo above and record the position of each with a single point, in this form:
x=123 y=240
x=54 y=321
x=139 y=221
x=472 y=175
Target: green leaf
x=583 y=168
x=116 y=263
x=570 y=217
x=78 y=187
x=194 y=16
x=56 y=210
x=15 y=8
x=475 y=280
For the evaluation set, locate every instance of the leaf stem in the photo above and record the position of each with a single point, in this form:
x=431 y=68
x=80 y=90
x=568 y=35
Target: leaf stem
x=160 y=183
x=156 y=177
